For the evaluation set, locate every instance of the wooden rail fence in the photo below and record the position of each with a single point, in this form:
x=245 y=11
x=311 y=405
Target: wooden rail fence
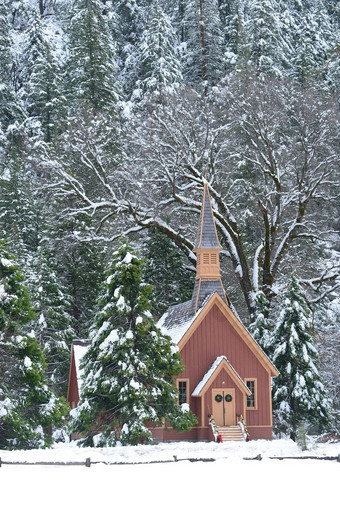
x=88 y=462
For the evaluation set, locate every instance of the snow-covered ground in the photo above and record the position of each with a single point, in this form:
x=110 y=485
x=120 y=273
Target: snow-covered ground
x=290 y=483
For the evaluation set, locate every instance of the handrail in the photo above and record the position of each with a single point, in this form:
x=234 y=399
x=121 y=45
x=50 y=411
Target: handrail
x=213 y=426
x=242 y=423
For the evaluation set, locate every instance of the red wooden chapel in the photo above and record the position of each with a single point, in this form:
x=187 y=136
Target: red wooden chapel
x=227 y=376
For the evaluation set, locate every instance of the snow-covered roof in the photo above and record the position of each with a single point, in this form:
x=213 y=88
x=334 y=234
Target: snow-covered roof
x=176 y=332
x=200 y=386
x=179 y=318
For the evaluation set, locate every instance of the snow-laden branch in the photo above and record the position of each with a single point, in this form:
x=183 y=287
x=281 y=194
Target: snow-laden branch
x=256 y=266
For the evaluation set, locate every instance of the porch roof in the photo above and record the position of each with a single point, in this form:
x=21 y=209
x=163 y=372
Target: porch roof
x=213 y=371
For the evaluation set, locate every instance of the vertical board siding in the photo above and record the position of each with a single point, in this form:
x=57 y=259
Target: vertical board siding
x=214 y=337
x=73 y=393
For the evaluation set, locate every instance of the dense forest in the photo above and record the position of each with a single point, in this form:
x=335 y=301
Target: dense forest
x=112 y=114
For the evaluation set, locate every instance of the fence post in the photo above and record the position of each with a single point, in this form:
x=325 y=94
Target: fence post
x=0 y=463
x=88 y=462
x=301 y=435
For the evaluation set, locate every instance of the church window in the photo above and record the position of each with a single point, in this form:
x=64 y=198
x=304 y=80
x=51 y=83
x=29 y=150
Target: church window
x=183 y=391
x=252 y=400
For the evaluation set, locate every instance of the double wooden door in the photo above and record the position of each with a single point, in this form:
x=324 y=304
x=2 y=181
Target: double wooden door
x=223 y=406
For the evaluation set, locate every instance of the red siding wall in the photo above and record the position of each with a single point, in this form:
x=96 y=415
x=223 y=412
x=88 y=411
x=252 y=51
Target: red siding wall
x=214 y=337
x=73 y=394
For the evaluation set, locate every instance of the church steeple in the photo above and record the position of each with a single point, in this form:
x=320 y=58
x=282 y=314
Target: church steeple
x=207 y=249
x=207 y=246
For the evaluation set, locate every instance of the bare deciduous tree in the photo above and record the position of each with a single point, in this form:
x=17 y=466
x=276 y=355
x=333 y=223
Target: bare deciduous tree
x=270 y=153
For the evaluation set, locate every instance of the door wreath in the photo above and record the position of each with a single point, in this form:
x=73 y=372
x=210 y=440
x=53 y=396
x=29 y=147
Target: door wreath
x=228 y=398
x=218 y=398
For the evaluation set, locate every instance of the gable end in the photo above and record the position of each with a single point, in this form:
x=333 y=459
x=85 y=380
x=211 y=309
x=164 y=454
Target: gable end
x=237 y=326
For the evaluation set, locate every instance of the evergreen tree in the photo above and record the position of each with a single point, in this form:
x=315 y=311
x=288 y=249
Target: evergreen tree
x=130 y=23
x=268 y=51
x=27 y=404
x=91 y=64
x=54 y=324
x=130 y=20
x=41 y=77
x=313 y=39
x=9 y=104
x=262 y=326
x=234 y=23
x=160 y=66
x=298 y=392
x=165 y=270
x=20 y=214
x=203 y=60
x=130 y=364
x=83 y=267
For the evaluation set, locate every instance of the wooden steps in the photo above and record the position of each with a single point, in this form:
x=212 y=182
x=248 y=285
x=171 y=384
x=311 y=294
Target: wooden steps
x=230 y=433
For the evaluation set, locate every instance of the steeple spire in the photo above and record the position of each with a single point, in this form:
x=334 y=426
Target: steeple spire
x=207 y=249
x=207 y=246
x=206 y=233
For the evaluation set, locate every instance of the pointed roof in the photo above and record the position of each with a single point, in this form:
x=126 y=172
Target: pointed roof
x=181 y=324
x=206 y=233
x=220 y=363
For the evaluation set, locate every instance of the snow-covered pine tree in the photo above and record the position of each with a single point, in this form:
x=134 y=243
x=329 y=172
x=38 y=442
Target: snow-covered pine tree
x=130 y=23
x=9 y=103
x=327 y=316
x=19 y=212
x=130 y=17
x=262 y=326
x=203 y=61
x=91 y=65
x=130 y=364
x=41 y=78
x=298 y=392
x=234 y=27
x=313 y=39
x=27 y=404
x=160 y=65
x=54 y=325
x=333 y=70
x=268 y=51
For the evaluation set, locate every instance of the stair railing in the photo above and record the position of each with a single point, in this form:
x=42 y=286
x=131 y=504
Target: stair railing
x=242 y=423
x=213 y=426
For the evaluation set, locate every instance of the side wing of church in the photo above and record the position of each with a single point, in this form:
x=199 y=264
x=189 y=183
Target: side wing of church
x=227 y=376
